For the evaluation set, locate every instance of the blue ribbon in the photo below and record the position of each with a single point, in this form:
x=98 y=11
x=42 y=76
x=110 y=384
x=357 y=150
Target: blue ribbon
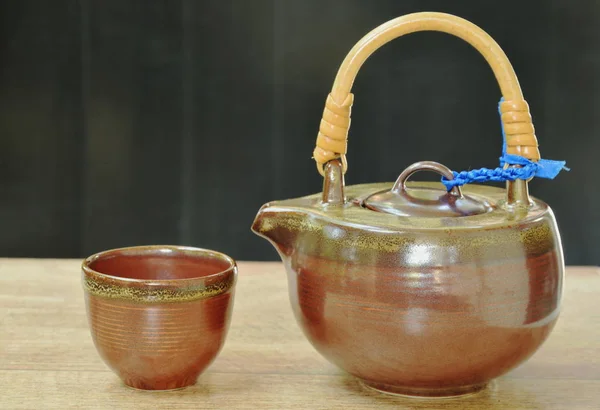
x=543 y=168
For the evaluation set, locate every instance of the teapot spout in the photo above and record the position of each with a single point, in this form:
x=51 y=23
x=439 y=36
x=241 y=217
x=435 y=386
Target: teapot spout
x=267 y=225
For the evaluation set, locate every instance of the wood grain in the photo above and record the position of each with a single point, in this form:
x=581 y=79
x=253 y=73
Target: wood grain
x=48 y=361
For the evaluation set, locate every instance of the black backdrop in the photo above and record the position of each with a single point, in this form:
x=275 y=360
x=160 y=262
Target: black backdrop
x=126 y=122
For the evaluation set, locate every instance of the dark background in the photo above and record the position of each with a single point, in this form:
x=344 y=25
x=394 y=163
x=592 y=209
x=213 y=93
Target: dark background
x=140 y=122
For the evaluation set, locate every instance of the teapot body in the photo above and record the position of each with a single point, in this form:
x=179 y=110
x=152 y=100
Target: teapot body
x=425 y=308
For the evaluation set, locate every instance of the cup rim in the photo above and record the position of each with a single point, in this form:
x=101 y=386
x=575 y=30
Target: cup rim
x=150 y=249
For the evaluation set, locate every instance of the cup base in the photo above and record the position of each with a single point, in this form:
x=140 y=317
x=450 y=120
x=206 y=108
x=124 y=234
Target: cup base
x=169 y=385
x=415 y=392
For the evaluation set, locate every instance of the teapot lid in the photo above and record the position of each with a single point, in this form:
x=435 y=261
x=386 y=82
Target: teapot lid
x=425 y=201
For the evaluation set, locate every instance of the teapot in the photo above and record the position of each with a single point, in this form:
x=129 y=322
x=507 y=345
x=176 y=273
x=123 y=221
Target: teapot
x=412 y=287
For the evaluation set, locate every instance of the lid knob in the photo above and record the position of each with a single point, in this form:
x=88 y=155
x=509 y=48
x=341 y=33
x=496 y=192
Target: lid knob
x=425 y=201
x=400 y=185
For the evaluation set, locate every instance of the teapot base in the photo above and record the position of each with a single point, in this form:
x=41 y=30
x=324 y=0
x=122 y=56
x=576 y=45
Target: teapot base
x=437 y=393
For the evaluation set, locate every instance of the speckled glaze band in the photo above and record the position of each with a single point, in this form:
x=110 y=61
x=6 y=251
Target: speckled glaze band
x=159 y=291
x=100 y=287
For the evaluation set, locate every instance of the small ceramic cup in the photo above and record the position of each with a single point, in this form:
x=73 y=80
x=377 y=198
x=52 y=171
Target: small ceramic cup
x=159 y=315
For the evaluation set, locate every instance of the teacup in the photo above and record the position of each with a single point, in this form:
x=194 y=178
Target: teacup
x=159 y=315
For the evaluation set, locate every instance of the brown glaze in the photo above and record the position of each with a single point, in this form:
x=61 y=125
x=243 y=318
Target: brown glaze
x=413 y=289
x=161 y=267
x=159 y=315
x=419 y=305
x=435 y=331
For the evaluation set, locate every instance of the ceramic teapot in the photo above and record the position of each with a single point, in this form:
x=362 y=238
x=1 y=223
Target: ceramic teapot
x=413 y=288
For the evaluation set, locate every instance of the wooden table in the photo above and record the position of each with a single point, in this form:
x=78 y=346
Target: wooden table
x=47 y=358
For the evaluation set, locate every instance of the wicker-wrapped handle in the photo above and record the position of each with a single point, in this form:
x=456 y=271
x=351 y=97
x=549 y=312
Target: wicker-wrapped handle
x=333 y=131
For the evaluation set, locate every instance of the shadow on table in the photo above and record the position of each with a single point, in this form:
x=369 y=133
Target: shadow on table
x=209 y=385
x=493 y=397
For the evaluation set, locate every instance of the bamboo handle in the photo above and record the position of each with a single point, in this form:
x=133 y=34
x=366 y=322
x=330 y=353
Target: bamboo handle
x=515 y=116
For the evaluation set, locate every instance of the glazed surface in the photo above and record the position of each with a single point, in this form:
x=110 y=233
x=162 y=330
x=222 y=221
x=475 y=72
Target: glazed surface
x=432 y=310
x=158 y=315
x=292 y=213
x=158 y=274
x=159 y=346
x=434 y=327
x=165 y=266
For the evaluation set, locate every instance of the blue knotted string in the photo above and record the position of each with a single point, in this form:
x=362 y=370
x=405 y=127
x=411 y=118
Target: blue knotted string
x=544 y=168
